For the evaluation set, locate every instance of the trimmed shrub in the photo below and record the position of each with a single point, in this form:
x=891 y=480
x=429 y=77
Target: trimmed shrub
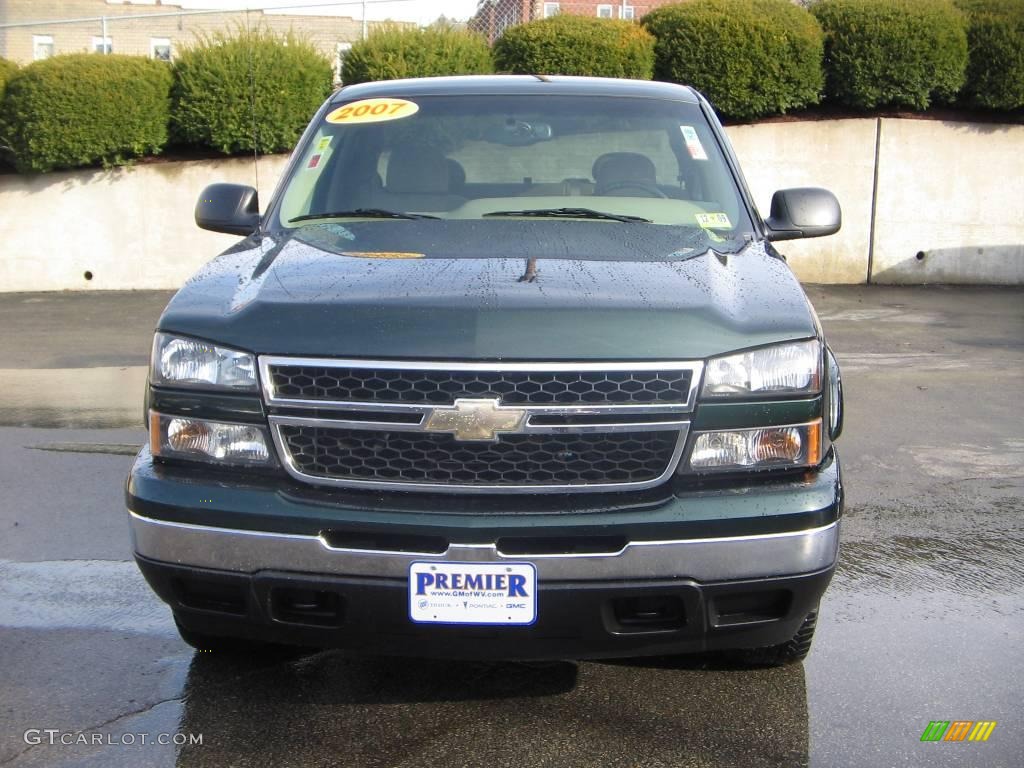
x=749 y=57
x=577 y=45
x=395 y=52
x=892 y=52
x=7 y=68
x=995 y=53
x=83 y=109
x=251 y=90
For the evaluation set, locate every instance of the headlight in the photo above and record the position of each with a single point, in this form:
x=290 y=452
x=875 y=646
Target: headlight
x=783 y=369
x=182 y=362
x=795 y=445
x=178 y=437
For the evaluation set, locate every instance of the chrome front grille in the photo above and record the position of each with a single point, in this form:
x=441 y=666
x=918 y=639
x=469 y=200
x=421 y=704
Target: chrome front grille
x=479 y=427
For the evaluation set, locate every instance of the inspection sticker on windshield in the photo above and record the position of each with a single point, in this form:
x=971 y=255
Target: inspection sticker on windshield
x=693 y=145
x=713 y=220
x=473 y=593
x=323 y=144
x=373 y=111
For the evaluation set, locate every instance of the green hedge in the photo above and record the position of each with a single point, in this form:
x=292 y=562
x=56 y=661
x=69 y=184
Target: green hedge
x=576 y=45
x=749 y=57
x=250 y=90
x=892 y=52
x=995 y=53
x=7 y=68
x=394 y=52
x=83 y=109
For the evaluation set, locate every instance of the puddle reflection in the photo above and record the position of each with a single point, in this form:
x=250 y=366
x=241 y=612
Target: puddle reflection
x=986 y=562
x=72 y=398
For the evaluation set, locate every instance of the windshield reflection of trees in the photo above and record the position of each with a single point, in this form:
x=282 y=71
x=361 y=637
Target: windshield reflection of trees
x=327 y=709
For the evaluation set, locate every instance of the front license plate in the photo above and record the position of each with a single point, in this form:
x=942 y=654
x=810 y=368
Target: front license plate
x=473 y=593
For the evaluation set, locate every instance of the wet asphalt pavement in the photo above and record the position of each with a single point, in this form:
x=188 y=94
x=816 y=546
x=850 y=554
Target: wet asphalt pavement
x=924 y=620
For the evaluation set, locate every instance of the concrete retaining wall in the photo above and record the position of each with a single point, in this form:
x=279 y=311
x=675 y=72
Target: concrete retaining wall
x=948 y=206
x=923 y=201
x=950 y=203
x=129 y=228
x=836 y=154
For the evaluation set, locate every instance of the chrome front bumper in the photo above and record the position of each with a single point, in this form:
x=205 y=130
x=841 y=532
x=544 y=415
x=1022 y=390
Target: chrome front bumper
x=704 y=560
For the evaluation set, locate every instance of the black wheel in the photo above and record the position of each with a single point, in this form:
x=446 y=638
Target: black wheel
x=228 y=646
x=793 y=650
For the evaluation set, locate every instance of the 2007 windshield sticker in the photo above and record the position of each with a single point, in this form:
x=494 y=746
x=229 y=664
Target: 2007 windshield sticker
x=693 y=145
x=713 y=220
x=373 y=111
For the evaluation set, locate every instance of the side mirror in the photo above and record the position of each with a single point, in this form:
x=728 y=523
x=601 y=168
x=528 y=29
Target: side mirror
x=230 y=208
x=803 y=212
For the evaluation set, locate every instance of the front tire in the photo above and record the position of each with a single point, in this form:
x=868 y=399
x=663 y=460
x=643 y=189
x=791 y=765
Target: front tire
x=790 y=652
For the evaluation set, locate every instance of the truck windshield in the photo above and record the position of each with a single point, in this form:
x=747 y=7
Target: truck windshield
x=611 y=161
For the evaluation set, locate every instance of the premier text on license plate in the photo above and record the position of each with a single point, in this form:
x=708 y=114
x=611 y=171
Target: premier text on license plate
x=473 y=593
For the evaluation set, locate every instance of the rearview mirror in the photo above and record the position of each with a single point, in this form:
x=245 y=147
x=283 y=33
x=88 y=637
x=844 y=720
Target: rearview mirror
x=230 y=208
x=803 y=212
x=519 y=133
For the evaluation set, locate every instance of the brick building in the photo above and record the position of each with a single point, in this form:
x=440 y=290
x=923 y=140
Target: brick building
x=128 y=30
x=494 y=16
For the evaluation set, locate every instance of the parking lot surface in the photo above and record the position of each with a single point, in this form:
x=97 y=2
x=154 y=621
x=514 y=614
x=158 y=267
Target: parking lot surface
x=924 y=620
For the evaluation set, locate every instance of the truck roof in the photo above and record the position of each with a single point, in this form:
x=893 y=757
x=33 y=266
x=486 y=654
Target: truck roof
x=489 y=85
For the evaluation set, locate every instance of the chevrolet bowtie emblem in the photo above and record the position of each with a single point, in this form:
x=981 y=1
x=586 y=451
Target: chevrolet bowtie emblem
x=470 y=419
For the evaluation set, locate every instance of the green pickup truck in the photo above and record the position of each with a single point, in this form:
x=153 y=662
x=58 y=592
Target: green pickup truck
x=508 y=367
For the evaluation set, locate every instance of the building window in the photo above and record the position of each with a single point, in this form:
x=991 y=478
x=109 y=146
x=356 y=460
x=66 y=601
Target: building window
x=102 y=45
x=42 y=47
x=604 y=12
x=627 y=12
x=340 y=52
x=551 y=9
x=160 y=48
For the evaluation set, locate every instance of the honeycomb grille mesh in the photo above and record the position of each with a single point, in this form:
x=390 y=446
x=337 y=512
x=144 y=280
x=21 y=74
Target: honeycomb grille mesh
x=515 y=460
x=311 y=382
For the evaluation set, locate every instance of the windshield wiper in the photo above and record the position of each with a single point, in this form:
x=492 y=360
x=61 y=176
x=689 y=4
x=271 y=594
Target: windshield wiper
x=571 y=213
x=363 y=213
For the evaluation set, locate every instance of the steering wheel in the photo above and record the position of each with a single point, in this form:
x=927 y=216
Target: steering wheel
x=649 y=190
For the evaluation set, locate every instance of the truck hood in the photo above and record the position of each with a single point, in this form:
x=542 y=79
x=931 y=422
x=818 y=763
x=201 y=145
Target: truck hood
x=469 y=290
